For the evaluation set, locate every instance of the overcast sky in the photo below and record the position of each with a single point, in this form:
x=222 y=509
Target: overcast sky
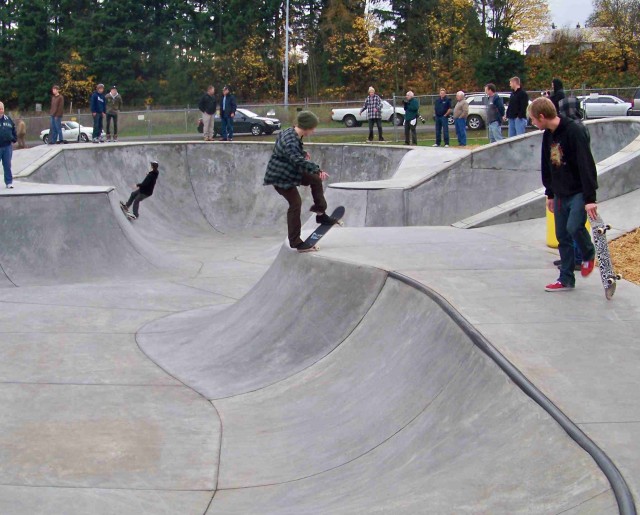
x=570 y=12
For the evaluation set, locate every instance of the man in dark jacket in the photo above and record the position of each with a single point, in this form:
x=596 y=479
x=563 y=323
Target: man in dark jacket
x=558 y=93
x=207 y=106
x=8 y=137
x=517 y=108
x=495 y=113
x=144 y=190
x=570 y=179
x=227 y=113
x=98 y=110
x=442 y=108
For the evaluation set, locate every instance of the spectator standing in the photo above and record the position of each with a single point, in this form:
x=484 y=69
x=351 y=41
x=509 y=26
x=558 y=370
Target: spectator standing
x=207 y=106
x=21 y=129
x=8 y=137
x=56 y=111
x=114 y=104
x=98 y=111
x=570 y=180
x=558 y=93
x=495 y=113
x=460 y=113
x=373 y=107
x=227 y=113
x=517 y=109
x=411 y=108
x=442 y=109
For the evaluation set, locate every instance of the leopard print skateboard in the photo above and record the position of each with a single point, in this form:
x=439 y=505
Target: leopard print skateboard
x=607 y=275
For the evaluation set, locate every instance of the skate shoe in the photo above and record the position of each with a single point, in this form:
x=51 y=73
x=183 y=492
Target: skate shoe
x=325 y=219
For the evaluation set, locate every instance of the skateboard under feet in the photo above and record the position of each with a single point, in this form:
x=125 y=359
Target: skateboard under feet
x=310 y=244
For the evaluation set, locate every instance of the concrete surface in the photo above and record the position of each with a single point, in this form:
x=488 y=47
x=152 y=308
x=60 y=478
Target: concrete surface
x=283 y=383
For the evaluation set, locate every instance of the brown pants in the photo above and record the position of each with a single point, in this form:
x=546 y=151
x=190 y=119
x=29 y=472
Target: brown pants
x=292 y=196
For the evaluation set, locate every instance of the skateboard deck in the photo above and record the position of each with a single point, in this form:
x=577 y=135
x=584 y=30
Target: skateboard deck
x=126 y=211
x=311 y=242
x=607 y=275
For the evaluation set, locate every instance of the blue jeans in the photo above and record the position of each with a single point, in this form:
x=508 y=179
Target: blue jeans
x=570 y=218
x=97 y=126
x=461 y=130
x=495 y=132
x=227 y=127
x=442 y=125
x=5 y=154
x=517 y=126
x=55 y=130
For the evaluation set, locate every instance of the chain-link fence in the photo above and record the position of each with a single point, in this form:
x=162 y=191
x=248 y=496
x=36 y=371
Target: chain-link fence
x=183 y=122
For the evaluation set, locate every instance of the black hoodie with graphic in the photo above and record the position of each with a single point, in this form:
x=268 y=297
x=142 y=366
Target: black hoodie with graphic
x=568 y=166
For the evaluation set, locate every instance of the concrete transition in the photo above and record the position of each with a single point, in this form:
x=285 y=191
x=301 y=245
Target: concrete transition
x=188 y=362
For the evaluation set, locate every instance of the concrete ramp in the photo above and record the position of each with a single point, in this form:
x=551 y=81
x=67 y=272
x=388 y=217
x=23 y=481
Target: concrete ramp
x=58 y=234
x=346 y=396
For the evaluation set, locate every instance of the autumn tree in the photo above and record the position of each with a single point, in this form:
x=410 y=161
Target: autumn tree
x=623 y=18
x=76 y=85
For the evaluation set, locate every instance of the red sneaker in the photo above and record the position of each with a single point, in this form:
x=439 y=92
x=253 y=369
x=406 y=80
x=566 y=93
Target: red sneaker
x=557 y=286
x=587 y=267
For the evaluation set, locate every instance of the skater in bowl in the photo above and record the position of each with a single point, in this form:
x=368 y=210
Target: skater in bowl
x=143 y=191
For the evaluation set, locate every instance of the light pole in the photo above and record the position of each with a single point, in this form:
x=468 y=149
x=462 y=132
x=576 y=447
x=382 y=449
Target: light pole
x=286 y=58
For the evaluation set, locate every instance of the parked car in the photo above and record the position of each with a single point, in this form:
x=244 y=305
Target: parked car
x=604 y=106
x=351 y=117
x=635 y=104
x=71 y=131
x=246 y=121
x=477 y=118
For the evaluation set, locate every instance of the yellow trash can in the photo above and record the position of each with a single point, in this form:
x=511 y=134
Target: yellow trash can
x=551 y=230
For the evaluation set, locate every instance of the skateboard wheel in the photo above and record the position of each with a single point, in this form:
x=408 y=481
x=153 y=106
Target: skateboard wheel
x=611 y=281
x=618 y=277
x=600 y=230
x=607 y=227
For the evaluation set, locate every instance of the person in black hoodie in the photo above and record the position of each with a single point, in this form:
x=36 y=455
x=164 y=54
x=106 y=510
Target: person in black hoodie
x=517 y=108
x=570 y=179
x=144 y=190
x=558 y=93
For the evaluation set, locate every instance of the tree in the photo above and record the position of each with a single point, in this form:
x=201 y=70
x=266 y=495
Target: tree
x=75 y=84
x=623 y=18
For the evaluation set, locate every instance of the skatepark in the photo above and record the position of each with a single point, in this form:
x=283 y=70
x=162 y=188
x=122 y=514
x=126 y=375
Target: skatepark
x=189 y=362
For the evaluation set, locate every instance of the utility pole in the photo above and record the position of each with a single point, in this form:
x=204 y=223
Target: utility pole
x=286 y=59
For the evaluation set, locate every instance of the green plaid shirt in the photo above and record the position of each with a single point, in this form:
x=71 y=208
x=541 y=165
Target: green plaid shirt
x=288 y=161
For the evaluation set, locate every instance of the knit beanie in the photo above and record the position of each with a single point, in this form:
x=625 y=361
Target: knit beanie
x=307 y=120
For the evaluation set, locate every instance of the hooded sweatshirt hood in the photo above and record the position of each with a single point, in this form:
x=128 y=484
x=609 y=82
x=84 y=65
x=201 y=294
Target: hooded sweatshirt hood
x=557 y=85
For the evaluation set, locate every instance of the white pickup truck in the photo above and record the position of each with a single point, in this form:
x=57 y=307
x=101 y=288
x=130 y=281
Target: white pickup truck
x=351 y=117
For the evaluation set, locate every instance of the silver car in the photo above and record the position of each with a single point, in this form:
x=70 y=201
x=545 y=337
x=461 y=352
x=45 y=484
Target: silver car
x=477 y=118
x=604 y=106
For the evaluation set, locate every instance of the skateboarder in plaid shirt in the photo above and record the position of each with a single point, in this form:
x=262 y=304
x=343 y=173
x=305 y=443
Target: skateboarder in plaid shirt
x=570 y=180
x=289 y=167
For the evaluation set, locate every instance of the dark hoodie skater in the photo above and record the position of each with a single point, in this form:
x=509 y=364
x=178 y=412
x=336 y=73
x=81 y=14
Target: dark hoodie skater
x=145 y=190
x=557 y=94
